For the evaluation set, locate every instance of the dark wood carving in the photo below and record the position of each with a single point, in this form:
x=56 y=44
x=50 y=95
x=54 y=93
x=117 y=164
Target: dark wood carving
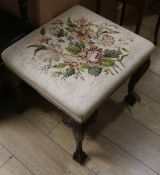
x=131 y=98
x=79 y=132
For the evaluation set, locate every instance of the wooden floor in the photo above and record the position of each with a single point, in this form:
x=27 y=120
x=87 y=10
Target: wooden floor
x=123 y=141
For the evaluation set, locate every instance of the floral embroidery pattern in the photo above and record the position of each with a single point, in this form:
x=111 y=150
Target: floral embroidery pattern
x=73 y=47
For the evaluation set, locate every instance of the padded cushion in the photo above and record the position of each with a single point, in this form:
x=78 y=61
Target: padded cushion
x=77 y=60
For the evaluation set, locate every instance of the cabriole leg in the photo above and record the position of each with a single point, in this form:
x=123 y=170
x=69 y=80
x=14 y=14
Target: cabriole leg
x=131 y=98
x=79 y=132
x=79 y=155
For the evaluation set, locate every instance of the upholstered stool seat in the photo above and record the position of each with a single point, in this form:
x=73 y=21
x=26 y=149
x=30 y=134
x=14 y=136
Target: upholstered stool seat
x=76 y=61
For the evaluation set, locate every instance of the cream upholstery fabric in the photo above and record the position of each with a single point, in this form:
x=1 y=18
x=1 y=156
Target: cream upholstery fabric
x=77 y=60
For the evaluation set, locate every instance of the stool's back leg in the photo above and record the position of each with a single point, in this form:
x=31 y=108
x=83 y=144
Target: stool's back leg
x=156 y=30
x=19 y=95
x=122 y=13
x=139 y=21
x=131 y=97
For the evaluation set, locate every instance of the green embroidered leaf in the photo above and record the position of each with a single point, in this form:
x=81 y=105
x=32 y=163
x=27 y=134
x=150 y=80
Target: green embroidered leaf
x=69 y=72
x=106 y=71
x=35 y=45
x=38 y=48
x=116 y=32
x=60 y=33
x=80 y=44
x=100 y=29
x=70 y=23
x=73 y=50
x=57 y=73
x=107 y=62
x=43 y=31
x=112 y=53
x=102 y=33
x=94 y=71
x=84 y=66
x=124 y=49
x=123 y=56
x=60 y=65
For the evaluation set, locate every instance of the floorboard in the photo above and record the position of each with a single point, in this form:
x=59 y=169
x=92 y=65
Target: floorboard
x=149 y=85
x=104 y=156
x=38 y=153
x=4 y=155
x=130 y=135
x=13 y=167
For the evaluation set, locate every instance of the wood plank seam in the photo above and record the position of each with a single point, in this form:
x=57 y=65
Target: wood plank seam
x=126 y=152
x=33 y=125
x=141 y=123
x=53 y=128
x=153 y=71
x=12 y=155
x=110 y=140
x=147 y=96
x=4 y=163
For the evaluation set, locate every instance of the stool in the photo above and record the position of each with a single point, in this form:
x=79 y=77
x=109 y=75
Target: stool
x=76 y=61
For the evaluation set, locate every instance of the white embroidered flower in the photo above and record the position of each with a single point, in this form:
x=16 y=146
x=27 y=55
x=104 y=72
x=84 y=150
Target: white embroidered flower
x=125 y=40
x=106 y=40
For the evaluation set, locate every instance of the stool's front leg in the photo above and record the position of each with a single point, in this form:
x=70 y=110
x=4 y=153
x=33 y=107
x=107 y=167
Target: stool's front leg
x=79 y=132
x=79 y=155
x=131 y=98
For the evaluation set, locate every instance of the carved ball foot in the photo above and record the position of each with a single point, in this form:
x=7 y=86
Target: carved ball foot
x=132 y=98
x=80 y=157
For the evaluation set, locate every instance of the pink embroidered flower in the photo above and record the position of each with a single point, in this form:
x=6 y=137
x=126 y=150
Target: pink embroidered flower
x=106 y=40
x=83 y=33
x=82 y=21
x=45 y=39
x=93 y=55
x=74 y=65
x=109 y=30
